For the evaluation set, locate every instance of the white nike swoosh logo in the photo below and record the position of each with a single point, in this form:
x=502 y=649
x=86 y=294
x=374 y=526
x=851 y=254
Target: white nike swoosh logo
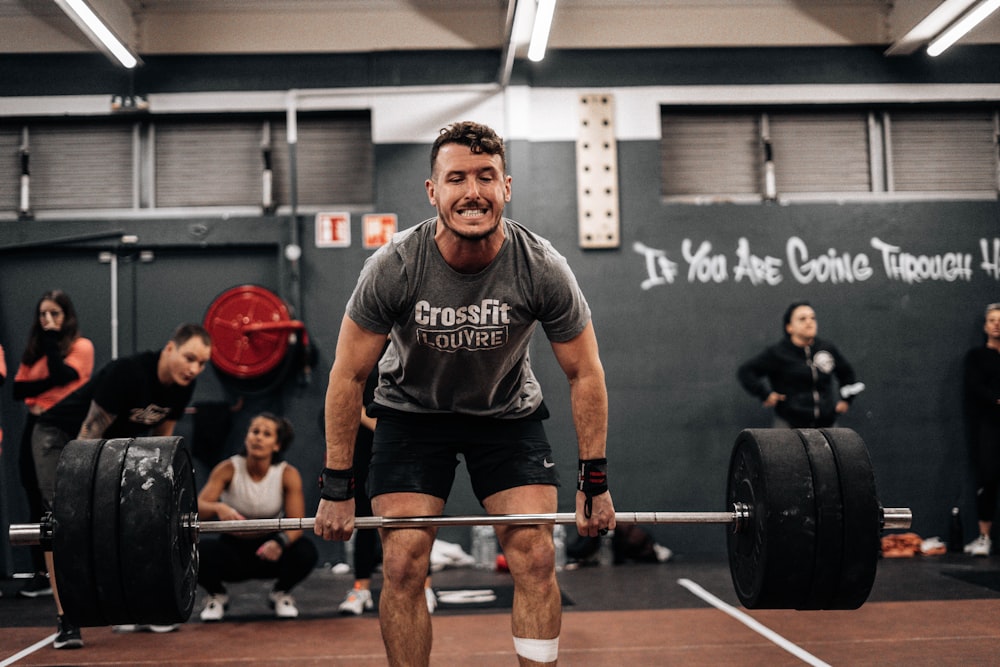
x=548 y=464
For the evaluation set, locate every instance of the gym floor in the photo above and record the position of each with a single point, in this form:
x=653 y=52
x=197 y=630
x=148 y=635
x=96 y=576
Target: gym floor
x=925 y=610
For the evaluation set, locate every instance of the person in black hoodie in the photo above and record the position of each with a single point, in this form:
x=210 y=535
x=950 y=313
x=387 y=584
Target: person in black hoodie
x=982 y=398
x=806 y=379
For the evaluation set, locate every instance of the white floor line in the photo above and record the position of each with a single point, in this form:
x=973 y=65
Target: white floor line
x=754 y=625
x=28 y=651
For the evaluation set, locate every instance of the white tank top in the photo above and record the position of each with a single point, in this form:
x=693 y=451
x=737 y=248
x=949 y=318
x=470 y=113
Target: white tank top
x=264 y=499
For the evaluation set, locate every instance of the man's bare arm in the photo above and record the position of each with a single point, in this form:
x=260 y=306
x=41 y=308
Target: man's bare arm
x=95 y=423
x=580 y=360
x=357 y=352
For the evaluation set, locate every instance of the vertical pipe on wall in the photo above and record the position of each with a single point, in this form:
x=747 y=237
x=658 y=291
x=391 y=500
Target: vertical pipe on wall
x=148 y=196
x=293 y=251
x=876 y=154
x=267 y=194
x=24 y=208
x=770 y=183
x=890 y=172
x=113 y=262
x=136 y=165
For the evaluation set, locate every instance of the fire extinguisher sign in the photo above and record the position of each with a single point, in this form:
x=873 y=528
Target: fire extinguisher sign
x=378 y=228
x=333 y=230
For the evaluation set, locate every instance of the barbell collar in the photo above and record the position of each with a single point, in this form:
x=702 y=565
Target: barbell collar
x=26 y=534
x=897 y=518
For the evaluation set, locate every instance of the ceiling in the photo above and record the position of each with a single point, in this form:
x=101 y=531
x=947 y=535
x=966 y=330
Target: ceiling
x=180 y=27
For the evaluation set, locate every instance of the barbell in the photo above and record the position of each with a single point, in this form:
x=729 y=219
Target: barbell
x=805 y=525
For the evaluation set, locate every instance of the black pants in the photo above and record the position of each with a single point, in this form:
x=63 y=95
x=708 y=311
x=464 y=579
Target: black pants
x=987 y=458
x=230 y=558
x=366 y=546
x=29 y=480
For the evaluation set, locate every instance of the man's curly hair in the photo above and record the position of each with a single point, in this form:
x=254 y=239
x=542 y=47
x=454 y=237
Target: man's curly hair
x=478 y=137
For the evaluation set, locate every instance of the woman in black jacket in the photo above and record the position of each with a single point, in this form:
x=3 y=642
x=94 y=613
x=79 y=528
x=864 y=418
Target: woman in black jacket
x=805 y=379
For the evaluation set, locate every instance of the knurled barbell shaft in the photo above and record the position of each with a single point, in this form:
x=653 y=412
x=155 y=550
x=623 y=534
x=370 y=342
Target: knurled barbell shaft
x=894 y=518
x=362 y=522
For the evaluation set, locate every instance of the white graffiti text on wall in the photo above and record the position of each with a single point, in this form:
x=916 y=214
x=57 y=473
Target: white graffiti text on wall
x=832 y=266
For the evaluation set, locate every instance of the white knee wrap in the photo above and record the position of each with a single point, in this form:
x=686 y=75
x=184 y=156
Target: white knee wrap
x=539 y=650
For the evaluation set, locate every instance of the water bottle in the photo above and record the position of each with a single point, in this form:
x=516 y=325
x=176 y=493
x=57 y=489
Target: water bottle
x=955 y=533
x=349 y=551
x=476 y=548
x=605 y=553
x=559 y=541
x=484 y=547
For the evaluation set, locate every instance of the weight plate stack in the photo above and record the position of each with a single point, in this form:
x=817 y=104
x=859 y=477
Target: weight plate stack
x=159 y=557
x=73 y=529
x=862 y=518
x=771 y=558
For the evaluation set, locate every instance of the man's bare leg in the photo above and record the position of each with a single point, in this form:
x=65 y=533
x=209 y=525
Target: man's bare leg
x=537 y=610
x=406 y=552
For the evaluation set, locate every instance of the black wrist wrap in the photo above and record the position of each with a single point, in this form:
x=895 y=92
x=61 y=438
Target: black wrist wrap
x=592 y=479
x=336 y=484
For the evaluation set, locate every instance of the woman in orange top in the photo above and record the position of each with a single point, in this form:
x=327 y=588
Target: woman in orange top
x=56 y=361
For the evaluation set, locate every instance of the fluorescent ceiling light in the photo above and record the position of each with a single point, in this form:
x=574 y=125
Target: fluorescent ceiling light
x=97 y=31
x=540 y=31
x=958 y=29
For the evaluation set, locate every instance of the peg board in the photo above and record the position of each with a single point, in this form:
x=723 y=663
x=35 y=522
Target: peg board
x=597 y=172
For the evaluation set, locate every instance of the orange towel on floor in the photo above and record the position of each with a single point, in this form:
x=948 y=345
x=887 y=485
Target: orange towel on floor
x=902 y=545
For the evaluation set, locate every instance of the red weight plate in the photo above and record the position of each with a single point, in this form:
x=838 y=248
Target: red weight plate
x=249 y=338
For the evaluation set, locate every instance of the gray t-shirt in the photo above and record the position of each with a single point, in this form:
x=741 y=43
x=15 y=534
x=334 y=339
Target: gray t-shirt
x=459 y=341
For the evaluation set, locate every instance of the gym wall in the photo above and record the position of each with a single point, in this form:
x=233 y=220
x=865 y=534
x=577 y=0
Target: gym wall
x=676 y=306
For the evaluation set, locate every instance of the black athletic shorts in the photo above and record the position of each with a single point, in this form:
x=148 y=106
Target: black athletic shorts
x=419 y=453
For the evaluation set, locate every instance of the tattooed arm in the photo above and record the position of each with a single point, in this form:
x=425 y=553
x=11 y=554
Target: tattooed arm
x=96 y=422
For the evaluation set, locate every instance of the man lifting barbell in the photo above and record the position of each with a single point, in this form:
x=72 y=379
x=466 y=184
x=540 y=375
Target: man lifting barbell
x=461 y=295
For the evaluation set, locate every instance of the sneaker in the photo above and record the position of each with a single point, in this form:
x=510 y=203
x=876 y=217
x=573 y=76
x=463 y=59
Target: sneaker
x=67 y=635
x=37 y=586
x=432 y=600
x=980 y=546
x=144 y=627
x=215 y=607
x=341 y=568
x=159 y=629
x=356 y=602
x=284 y=604
x=663 y=554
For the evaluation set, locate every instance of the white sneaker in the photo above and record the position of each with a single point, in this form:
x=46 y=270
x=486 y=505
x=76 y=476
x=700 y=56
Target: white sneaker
x=215 y=607
x=145 y=627
x=356 y=602
x=284 y=604
x=980 y=546
x=432 y=600
x=159 y=629
x=663 y=554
